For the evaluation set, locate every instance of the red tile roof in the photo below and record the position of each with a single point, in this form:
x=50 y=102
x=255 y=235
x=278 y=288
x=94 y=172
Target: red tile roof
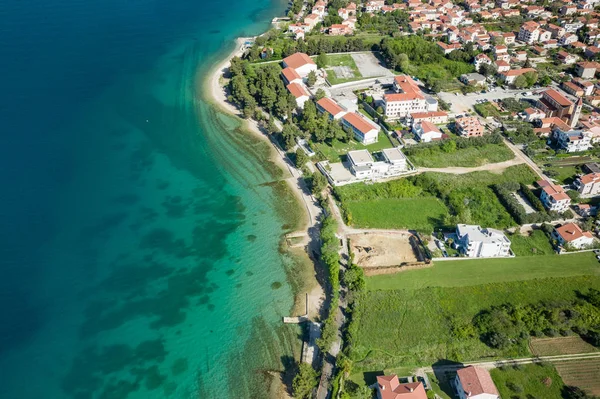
x=559 y=98
x=298 y=60
x=570 y=232
x=358 y=122
x=390 y=388
x=290 y=74
x=476 y=381
x=590 y=178
x=297 y=90
x=330 y=106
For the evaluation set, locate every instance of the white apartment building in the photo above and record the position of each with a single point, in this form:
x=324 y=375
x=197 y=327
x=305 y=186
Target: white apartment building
x=554 y=197
x=476 y=242
x=573 y=140
x=572 y=235
x=529 y=32
x=408 y=99
x=363 y=166
x=588 y=185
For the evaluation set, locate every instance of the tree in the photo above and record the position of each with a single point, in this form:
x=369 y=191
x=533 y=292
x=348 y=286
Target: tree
x=311 y=79
x=301 y=158
x=488 y=69
x=520 y=82
x=305 y=381
x=320 y=94
x=318 y=184
x=322 y=60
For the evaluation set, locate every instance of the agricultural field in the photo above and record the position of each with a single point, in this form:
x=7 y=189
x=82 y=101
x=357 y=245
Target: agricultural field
x=420 y=214
x=460 y=273
x=336 y=150
x=560 y=346
x=535 y=243
x=466 y=157
x=530 y=380
x=583 y=373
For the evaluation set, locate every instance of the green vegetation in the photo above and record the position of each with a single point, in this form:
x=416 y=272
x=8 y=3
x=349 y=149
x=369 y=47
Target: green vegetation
x=330 y=256
x=507 y=193
x=460 y=151
x=563 y=174
x=304 y=381
x=419 y=326
x=487 y=109
x=536 y=243
x=415 y=56
x=420 y=214
x=460 y=273
x=468 y=197
x=531 y=380
x=344 y=60
x=335 y=150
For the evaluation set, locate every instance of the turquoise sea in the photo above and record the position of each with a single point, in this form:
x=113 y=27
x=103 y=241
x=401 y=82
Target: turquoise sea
x=140 y=227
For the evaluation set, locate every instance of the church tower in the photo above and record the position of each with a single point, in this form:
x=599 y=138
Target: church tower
x=574 y=118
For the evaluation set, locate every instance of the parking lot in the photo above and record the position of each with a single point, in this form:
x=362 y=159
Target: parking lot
x=369 y=66
x=461 y=103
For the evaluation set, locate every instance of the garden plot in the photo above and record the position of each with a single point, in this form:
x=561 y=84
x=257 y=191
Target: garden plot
x=560 y=346
x=377 y=250
x=584 y=373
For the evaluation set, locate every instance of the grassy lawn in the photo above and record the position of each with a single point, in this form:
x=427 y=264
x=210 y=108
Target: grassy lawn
x=345 y=60
x=536 y=243
x=467 y=157
x=337 y=149
x=398 y=213
x=537 y=380
x=413 y=326
x=565 y=174
x=460 y=273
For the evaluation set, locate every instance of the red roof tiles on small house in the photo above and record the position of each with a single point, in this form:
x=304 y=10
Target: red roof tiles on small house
x=476 y=381
x=390 y=388
x=298 y=60
x=571 y=232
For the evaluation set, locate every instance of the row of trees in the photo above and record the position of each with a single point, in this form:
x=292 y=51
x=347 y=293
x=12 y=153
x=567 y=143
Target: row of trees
x=506 y=192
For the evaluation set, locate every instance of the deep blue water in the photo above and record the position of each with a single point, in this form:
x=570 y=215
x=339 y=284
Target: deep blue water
x=138 y=237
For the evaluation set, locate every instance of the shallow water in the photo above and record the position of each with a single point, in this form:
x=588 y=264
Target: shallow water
x=140 y=230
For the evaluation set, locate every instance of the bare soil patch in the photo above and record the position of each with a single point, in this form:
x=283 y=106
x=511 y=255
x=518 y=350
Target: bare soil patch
x=376 y=250
x=584 y=373
x=560 y=346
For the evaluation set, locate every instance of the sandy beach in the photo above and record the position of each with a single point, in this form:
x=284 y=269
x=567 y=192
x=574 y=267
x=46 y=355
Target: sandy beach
x=217 y=93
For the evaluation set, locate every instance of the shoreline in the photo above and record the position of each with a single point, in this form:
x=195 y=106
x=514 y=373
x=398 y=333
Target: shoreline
x=216 y=94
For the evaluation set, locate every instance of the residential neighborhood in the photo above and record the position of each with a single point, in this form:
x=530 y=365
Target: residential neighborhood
x=453 y=152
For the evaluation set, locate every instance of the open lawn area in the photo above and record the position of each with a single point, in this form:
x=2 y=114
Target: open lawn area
x=337 y=149
x=530 y=380
x=434 y=157
x=487 y=109
x=413 y=326
x=562 y=174
x=398 y=213
x=460 y=273
x=536 y=243
x=341 y=68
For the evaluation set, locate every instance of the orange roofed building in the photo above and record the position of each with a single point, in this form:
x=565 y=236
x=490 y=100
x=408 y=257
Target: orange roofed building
x=475 y=383
x=554 y=197
x=572 y=235
x=301 y=63
x=389 y=387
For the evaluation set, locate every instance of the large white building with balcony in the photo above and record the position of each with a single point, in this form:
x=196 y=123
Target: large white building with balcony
x=476 y=242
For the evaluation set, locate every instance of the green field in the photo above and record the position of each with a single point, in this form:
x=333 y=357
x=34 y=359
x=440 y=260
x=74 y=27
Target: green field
x=341 y=60
x=565 y=174
x=467 y=272
x=398 y=213
x=537 y=380
x=487 y=109
x=413 y=326
x=536 y=243
x=337 y=149
x=467 y=157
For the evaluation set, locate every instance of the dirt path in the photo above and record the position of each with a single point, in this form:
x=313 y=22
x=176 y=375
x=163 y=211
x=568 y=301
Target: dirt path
x=497 y=167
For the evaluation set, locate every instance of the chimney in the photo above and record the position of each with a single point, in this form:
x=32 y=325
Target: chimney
x=411 y=389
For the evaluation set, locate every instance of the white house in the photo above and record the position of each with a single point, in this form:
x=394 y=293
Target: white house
x=427 y=131
x=361 y=163
x=396 y=159
x=299 y=91
x=389 y=387
x=364 y=131
x=476 y=242
x=554 y=197
x=573 y=140
x=572 y=235
x=588 y=185
x=301 y=62
x=363 y=166
x=475 y=383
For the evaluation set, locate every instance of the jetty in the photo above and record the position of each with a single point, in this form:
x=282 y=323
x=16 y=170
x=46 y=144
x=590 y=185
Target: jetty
x=310 y=350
